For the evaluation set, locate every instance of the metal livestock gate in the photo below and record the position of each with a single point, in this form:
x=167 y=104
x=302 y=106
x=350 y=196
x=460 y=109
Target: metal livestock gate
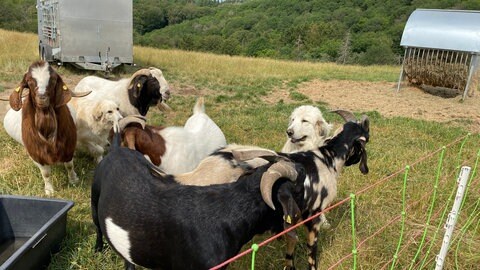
x=442 y=49
x=90 y=34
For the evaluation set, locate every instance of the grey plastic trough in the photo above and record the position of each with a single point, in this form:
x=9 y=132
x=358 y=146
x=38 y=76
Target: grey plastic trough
x=31 y=229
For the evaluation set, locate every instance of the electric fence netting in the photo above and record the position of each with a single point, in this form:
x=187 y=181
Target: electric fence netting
x=419 y=213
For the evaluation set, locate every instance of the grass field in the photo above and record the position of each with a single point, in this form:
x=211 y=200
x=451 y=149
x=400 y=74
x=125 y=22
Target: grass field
x=236 y=89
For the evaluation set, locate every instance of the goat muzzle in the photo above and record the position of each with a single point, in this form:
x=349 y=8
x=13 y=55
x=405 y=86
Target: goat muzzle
x=42 y=101
x=165 y=93
x=280 y=169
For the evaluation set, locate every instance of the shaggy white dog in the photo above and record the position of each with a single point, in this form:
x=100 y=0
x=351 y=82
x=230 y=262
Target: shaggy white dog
x=306 y=130
x=94 y=121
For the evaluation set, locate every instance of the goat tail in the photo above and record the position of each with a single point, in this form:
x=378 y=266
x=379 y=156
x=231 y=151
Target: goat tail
x=199 y=106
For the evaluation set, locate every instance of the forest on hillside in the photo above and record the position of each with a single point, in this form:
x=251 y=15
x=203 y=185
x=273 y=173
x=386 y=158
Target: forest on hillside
x=343 y=31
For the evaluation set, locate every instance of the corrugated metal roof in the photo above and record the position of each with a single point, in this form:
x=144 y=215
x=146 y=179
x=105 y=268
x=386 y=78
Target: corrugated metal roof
x=457 y=30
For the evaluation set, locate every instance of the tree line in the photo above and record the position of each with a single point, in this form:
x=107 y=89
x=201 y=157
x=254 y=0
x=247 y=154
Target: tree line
x=344 y=31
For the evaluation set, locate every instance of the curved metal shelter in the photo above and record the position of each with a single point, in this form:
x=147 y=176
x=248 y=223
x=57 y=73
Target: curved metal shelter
x=442 y=48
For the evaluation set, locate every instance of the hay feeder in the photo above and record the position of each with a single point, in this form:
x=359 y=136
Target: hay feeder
x=442 y=50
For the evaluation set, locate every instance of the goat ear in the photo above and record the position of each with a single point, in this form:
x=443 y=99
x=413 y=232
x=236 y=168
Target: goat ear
x=365 y=123
x=291 y=211
x=363 y=166
x=62 y=93
x=136 y=85
x=130 y=139
x=16 y=96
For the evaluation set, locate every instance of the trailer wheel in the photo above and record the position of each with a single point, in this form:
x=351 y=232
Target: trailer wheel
x=42 y=55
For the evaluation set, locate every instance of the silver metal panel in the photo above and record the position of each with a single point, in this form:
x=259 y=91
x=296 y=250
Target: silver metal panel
x=457 y=30
x=88 y=31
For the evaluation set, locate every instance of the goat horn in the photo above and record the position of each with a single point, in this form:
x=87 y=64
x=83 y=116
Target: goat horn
x=278 y=170
x=248 y=154
x=346 y=115
x=80 y=94
x=162 y=106
x=142 y=71
x=8 y=99
x=139 y=72
x=132 y=119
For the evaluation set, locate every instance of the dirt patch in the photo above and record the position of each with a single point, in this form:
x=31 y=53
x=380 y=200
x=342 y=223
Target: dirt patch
x=356 y=96
x=383 y=98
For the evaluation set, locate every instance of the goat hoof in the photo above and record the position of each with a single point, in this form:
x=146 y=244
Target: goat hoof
x=289 y=268
x=49 y=190
x=325 y=225
x=98 y=248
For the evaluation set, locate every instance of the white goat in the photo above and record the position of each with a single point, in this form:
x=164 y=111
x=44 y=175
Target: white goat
x=177 y=149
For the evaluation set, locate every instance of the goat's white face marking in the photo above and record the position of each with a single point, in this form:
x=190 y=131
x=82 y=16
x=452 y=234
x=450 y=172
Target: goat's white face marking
x=119 y=238
x=164 y=88
x=42 y=75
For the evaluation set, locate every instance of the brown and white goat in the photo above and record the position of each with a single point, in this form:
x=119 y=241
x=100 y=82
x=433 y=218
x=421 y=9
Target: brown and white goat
x=177 y=149
x=45 y=122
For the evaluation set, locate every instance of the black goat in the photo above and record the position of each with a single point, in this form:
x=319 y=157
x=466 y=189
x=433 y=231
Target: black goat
x=156 y=223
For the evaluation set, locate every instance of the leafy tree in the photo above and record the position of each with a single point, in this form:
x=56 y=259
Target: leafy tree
x=346 y=31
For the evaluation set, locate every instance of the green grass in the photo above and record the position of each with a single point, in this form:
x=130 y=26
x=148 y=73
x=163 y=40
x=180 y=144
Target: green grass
x=234 y=89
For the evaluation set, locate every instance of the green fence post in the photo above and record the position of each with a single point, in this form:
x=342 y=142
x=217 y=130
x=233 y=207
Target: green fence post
x=354 y=241
x=395 y=257
x=432 y=204
x=254 y=249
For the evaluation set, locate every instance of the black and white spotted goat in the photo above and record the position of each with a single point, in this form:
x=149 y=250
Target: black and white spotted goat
x=153 y=221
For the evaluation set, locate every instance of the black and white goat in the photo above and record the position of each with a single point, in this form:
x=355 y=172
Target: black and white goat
x=152 y=221
x=134 y=95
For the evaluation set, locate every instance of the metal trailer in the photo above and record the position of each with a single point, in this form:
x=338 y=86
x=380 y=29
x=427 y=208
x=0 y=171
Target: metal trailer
x=442 y=48
x=90 y=34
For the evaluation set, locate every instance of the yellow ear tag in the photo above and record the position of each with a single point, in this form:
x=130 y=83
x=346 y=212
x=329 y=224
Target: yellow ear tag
x=139 y=85
x=288 y=219
x=65 y=87
x=17 y=89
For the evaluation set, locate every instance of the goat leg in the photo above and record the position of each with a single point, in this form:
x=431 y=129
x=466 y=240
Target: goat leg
x=289 y=263
x=99 y=241
x=46 y=171
x=95 y=192
x=129 y=266
x=312 y=238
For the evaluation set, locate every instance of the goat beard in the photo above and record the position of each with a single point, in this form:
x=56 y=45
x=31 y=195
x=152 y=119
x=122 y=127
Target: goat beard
x=46 y=124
